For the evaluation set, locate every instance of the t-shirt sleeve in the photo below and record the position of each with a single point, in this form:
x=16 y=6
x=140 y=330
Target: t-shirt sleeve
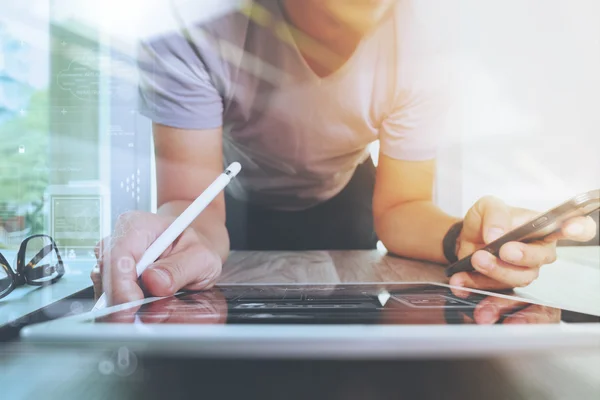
x=416 y=123
x=422 y=91
x=175 y=89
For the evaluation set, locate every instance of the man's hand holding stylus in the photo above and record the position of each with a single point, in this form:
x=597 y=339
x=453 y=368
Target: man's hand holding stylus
x=190 y=262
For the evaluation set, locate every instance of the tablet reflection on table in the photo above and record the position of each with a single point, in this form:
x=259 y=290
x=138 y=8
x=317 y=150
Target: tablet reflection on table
x=207 y=307
x=388 y=304
x=502 y=310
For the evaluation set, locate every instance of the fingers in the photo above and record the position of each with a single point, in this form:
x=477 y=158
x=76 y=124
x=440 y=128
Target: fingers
x=96 y=277
x=534 y=314
x=96 y=273
x=195 y=267
x=99 y=249
x=159 y=311
x=501 y=271
x=126 y=316
x=496 y=219
x=580 y=229
x=517 y=266
x=491 y=309
x=489 y=219
x=99 y=253
x=187 y=263
x=198 y=308
x=119 y=278
x=466 y=248
x=531 y=255
x=474 y=280
x=134 y=232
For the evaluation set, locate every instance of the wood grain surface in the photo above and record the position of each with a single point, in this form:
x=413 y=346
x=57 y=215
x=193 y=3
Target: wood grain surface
x=326 y=267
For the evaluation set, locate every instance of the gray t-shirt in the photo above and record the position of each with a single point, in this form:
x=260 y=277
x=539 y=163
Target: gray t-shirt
x=298 y=137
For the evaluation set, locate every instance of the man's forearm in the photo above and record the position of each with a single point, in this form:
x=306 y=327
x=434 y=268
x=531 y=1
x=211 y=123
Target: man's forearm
x=415 y=230
x=209 y=224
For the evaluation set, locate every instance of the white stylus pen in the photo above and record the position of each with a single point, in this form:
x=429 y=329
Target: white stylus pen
x=180 y=224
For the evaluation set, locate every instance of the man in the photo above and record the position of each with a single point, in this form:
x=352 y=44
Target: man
x=295 y=90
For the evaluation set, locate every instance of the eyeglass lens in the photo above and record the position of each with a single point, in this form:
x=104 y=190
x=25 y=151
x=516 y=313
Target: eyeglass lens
x=41 y=259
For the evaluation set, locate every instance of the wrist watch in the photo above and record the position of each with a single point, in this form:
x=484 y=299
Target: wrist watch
x=450 y=242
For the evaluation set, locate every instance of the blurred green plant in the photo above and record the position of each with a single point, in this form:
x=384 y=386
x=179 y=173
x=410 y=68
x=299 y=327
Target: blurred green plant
x=24 y=173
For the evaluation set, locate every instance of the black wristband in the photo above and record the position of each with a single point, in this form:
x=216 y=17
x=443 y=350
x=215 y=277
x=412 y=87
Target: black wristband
x=449 y=242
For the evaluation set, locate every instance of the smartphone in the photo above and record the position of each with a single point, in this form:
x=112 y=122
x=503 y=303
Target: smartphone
x=538 y=228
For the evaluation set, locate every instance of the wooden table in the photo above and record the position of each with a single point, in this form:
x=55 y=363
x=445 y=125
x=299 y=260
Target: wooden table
x=62 y=373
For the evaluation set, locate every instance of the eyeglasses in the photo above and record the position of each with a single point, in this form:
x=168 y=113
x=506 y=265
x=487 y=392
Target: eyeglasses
x=38 y=263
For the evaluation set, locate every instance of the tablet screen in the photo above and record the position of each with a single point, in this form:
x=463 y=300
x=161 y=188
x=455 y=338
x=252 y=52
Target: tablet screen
x=398 y=304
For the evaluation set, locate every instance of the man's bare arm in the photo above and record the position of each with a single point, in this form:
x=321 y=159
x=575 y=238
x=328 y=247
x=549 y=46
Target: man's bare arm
x=187 y=161
x=406 y=219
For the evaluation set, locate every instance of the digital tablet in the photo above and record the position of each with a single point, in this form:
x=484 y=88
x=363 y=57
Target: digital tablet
x=366 y=320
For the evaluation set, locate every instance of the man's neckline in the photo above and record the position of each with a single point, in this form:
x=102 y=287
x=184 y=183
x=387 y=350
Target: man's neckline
x=290 y=29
